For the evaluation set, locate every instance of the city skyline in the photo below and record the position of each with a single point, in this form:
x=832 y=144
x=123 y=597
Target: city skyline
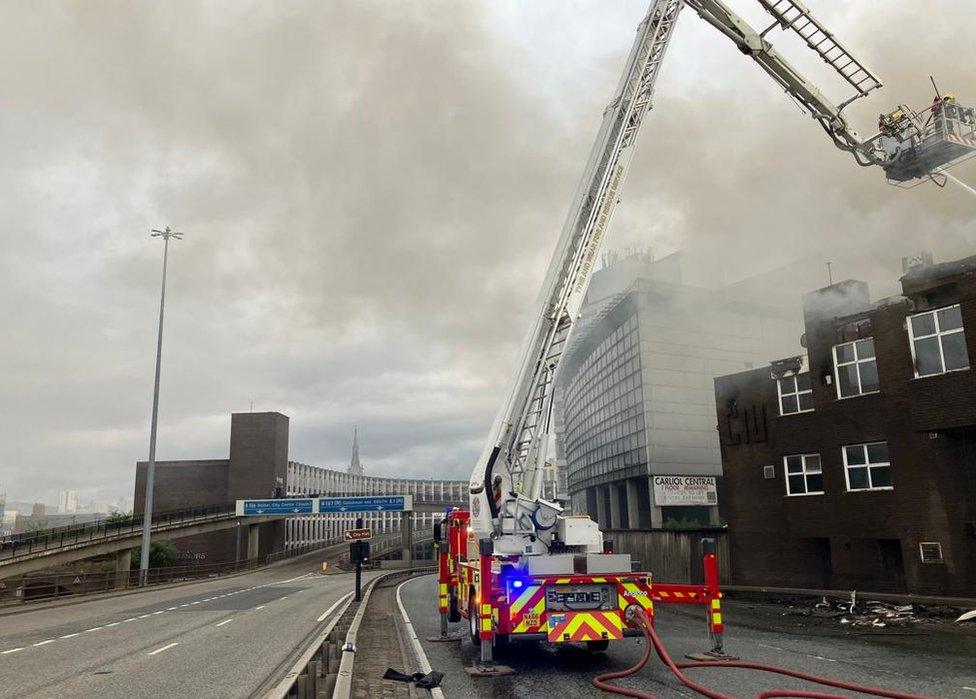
x=391 y=290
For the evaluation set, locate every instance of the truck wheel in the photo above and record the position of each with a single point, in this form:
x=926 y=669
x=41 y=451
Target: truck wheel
x=597 y=646
x=453 y=613
x=473 y=622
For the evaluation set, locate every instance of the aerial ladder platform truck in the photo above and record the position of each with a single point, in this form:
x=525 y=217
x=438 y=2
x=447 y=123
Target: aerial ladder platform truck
x=515 y=565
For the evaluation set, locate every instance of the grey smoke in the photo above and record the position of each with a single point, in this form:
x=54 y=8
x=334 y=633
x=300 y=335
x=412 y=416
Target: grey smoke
x=370 y=193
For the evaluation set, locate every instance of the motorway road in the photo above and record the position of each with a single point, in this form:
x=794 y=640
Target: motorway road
x=218 y=638
x=922 y=661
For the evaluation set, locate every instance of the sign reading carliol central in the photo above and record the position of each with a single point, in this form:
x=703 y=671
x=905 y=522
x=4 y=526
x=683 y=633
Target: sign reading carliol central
x=670 y=491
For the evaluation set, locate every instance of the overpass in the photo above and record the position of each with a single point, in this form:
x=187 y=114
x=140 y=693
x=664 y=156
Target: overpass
x=58 y=546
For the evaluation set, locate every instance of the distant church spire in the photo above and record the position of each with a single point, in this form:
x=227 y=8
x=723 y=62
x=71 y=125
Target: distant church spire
x=355 y=468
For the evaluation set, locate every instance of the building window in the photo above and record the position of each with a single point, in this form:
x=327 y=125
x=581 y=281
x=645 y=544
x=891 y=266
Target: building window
x=930 y=552
x=867 y=466
x=857 y=369
x=938 y=343
x=803 y=474
x=795 y=394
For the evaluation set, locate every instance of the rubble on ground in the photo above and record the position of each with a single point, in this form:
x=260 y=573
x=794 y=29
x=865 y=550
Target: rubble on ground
x=854 y=612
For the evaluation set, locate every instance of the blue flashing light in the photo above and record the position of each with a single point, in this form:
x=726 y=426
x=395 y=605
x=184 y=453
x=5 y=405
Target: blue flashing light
x=517 y=584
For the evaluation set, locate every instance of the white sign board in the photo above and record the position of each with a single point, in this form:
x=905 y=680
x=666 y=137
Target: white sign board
x=672 y=491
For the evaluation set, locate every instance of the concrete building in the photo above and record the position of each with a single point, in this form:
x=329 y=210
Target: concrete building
x=853 y=466
x=318 y=481
x=635 y=413
x=67 y=502
x=258 y=467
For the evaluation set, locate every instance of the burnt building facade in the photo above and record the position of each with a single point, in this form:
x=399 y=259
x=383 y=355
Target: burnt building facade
x=854 y=466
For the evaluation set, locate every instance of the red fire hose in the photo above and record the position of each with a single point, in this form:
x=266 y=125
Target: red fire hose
x=650 y=635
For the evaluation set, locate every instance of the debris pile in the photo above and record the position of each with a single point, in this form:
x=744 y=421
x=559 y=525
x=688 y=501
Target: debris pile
x=875 y=614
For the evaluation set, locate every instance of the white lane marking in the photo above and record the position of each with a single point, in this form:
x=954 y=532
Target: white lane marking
x=971 y=689
x=159 y=612
x=331 y=609
x=92 y=629
x=257 y=608
x=285 y=597
x=197 y=602
x=169 y=609
x=166 y=647
x=225 y=621
x=114 y=623
x=12 y=650
x=820 y=657
x=143 y=616
x=126 y=621
x=70 y=635
x=436 y=692
x=766 y=645
x=44 y=643
x=185 y=605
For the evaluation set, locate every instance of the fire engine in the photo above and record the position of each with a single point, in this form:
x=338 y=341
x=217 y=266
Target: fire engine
x=515 y=565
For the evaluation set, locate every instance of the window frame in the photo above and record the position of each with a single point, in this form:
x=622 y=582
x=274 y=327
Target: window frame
x=797 y=392
x=921 y=552
x=804 y=473
x=938 y=335
x=857 y=364
x=868 y=465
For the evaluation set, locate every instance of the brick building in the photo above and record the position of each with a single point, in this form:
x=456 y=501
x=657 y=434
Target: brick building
x=854 y=466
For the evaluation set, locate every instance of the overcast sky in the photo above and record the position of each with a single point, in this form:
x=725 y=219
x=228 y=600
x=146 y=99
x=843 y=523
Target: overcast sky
x=370 y=192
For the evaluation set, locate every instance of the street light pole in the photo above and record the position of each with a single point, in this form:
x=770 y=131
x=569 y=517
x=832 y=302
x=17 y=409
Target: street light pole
x=165 y=234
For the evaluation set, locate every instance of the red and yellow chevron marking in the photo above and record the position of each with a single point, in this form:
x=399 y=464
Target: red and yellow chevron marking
x=685 y=596
x=526 y=613
x=585 y=626
x=633 y=593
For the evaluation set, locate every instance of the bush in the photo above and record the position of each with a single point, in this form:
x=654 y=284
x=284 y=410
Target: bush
x=162 y=554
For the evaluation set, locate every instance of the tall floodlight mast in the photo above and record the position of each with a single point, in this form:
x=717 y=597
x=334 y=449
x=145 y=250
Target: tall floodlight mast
x=165 y=234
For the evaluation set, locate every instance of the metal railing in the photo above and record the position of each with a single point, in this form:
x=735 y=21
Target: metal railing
x=38 y=587
x=325 y=666
x=19 y=545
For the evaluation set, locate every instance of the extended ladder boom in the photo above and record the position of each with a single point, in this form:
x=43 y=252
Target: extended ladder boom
x=506 y=483
x=516 y=447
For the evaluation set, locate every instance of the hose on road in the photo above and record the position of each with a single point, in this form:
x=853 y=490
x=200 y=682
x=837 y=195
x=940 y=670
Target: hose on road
x=601 y=682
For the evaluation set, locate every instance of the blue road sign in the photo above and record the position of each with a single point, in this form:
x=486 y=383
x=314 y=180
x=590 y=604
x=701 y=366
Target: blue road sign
x=279 y=506
x=379 y=503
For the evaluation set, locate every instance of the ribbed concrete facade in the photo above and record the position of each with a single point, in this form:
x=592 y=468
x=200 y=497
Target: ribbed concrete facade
x=316 y=480
x=635 y=393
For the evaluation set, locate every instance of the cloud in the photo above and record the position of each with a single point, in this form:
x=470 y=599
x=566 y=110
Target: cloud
x=370 y=194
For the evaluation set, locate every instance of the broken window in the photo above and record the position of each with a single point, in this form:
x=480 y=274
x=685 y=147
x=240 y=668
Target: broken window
x=938 y=342
x=804 y=475
x=856 y=368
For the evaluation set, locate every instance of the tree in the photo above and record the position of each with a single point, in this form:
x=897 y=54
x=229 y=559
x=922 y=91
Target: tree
x=119 y=518
x=162 y=554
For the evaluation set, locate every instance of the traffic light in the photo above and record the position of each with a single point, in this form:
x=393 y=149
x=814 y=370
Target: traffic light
x=359 y=551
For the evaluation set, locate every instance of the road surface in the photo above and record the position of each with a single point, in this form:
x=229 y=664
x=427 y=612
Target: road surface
x=924 y=661
x=219 y=638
